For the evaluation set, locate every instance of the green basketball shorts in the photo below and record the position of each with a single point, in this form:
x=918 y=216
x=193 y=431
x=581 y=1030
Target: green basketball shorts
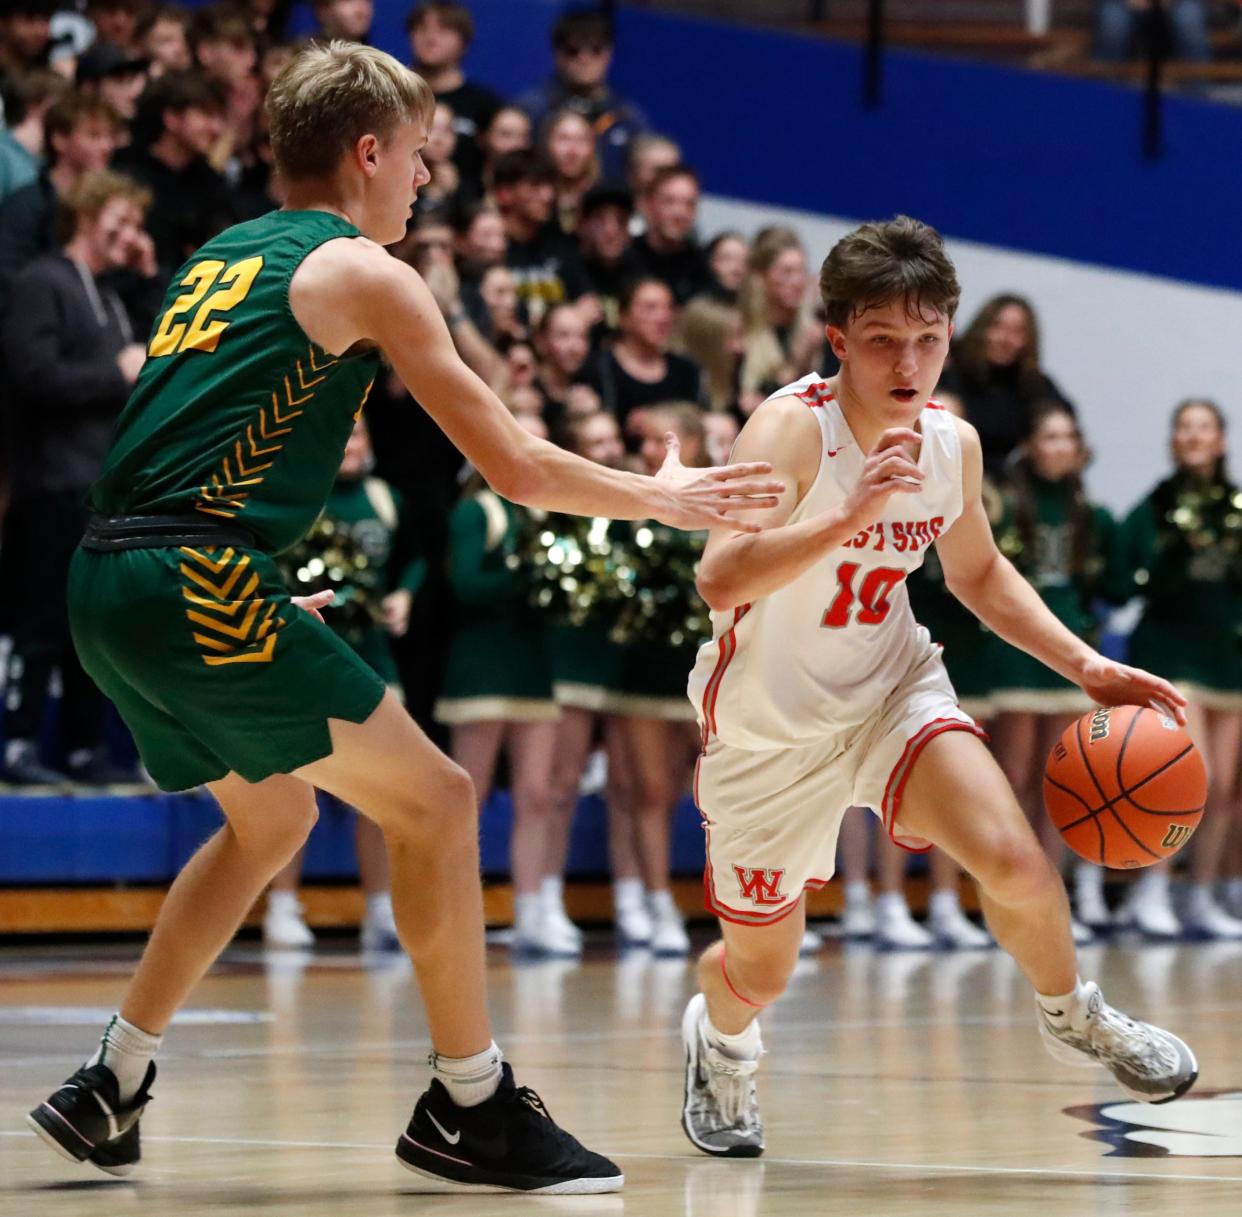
x=211 y=665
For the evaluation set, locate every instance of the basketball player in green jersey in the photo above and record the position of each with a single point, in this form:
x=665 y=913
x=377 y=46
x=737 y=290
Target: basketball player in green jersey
x=263 y=357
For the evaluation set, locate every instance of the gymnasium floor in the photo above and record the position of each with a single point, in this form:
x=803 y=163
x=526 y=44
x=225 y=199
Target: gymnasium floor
x=896 y=1084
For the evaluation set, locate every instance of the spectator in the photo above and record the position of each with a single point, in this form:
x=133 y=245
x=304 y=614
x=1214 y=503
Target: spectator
x=728 y=256
x=1183 y=555
x=443 y=191
x=997 y=375
x=25 y=35
x=183 y=113
x=70 y=358
x=509 y=131
x=372 y=602
x=784 y=339
x=640 y=370
x=604 y=241
x=712 y=334
x=440 y=33
x=562 y=343
x=116 y=22
x=80 y=134
x=668 y=250
x=719 y=435
x=480 y=241
x=273 y=60
x=163 y=37
x=498 y=688
x=569 y=144
x=349 y=20
x=502 y=322
x=648 y=154
x=226 y=49
x=115 y=75
x=544 y=262
x=582 y=46
x=1120 y=23
x=27 y=96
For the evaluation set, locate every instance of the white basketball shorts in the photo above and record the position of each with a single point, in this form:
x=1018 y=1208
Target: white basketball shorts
x=772 y=816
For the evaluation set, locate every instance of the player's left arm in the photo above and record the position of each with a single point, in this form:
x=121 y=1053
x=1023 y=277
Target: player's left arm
x=985 y=581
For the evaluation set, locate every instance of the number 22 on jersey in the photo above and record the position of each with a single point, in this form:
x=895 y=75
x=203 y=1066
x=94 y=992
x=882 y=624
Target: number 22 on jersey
x=175 y=334
x=872 y=597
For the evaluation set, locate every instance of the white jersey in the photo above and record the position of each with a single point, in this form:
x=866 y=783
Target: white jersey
x=821 y=655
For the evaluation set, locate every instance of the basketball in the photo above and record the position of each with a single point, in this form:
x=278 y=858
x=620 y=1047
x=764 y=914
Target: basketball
x=1125 y=787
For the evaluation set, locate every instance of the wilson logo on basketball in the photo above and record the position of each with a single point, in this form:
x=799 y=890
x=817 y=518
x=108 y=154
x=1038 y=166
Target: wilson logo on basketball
x=1178 y=835
x=1099 y=727
x=761 y=887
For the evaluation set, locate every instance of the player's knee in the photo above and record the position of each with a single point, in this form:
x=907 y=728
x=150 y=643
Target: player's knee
x=758 y=981
x=446 y=811
x=1016 y=870
x=279 y=835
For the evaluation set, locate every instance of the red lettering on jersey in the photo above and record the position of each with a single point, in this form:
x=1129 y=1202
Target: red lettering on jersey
x=937 y=526
x=878 y=529
x=762 y=887
x=922 y=533
x=900 y=541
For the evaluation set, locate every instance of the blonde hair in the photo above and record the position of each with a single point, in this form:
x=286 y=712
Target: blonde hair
x=91 y=193
x=764 y=358
x=705 y=336
x=330 y=95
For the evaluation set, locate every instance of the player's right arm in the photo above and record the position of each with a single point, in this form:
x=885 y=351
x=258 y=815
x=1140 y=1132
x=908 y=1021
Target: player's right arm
x=350 y=291
x=740 y=567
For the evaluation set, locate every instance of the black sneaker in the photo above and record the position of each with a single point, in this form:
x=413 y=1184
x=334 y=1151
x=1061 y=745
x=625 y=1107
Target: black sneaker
x=85 y=1121
x=509 y=1143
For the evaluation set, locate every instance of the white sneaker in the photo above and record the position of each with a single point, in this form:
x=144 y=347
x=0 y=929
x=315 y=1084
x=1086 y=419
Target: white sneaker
x=1089 y=903
x=554 y=920
x=720 y=1110
x=896 y=930
x=858 y=920
x=630 y=916
x=283 y=927
x=550 y=938
x=379 y=926
x=1149 y=909
x=954 y=931
x=1150 y=1064
x=1083 y=935
x=811 y=943
x=668 y=927
x=1205 y=919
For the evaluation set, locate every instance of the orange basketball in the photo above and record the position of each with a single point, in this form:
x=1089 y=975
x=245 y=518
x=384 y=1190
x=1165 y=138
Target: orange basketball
x=1125 y=787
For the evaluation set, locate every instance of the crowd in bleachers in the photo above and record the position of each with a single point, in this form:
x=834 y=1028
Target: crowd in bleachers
x=560 y=237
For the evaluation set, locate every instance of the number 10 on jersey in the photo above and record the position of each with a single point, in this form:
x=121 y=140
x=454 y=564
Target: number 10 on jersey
x=872 y=597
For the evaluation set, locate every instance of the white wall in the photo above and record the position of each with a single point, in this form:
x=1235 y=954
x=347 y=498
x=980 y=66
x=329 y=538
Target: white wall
x=1125 y=348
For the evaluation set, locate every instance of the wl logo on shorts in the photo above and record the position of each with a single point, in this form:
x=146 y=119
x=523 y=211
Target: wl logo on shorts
x=762 y=887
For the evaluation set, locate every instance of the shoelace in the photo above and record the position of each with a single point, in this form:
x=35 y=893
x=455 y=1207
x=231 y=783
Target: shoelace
x=730 y=1086
x=524 y=1094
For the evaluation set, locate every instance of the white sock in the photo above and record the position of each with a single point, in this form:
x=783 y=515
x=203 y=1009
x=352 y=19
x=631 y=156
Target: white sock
x=1089 y=878
x=944 y=905
x=284 y=902
x=470 y=1080
x=1233 y=890
x=1065 y=1009
x=379 y=907
x=1153 y=885
x=891 y=904
x=527 y=907
x=126 y=1050
x=746 y=1045
x=1200 y=895
x=663 y=904
x=857 y=894
x=628 y=893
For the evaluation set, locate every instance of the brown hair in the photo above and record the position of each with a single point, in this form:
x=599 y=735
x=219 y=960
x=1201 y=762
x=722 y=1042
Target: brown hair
x=451 y=15
x=330 y=95
x=91 y=193
x=970 y=352
x=898 y=259
x=1220 y=474
x=221 y=23
x=64 y=114
x=686 y=421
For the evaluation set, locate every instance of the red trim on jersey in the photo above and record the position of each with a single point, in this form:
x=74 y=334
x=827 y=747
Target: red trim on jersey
x=727 y=648
x=815 y=395
x=932 y=404
x=891 y=803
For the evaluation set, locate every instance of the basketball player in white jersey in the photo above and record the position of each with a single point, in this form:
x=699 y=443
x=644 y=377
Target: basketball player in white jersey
x=819 y=690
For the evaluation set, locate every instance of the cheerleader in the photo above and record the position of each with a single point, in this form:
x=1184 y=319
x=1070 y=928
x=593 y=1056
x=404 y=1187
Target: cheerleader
x=497 y=691
x=363 y=515
x=1061 y=543
x=1183 y=545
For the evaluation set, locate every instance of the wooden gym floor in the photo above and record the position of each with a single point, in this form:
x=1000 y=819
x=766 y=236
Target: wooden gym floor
x=896 y=1084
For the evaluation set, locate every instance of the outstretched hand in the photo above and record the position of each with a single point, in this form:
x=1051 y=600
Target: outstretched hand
x=704 y=498
x=1117 y=684
x=312 y=604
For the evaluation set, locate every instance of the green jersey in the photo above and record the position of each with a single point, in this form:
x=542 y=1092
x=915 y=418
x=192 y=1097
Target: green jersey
x=236 y=413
